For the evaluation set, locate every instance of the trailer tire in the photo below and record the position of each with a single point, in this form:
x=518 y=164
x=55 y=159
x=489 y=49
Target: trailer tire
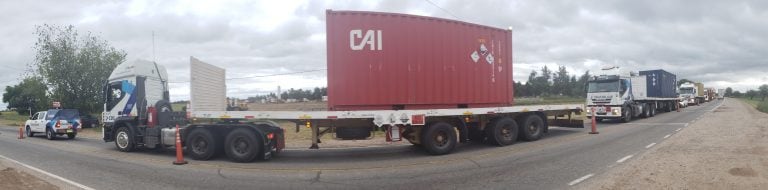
x=242 y=145
x=653 y=111
x=439 y=138
x=646 y=111
x=502 y=131
x=201 y=144
x=124 y=139
x=532 y=128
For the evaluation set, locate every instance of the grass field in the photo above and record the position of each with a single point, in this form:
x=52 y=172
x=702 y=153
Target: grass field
x=11 y=118
x=757 y=104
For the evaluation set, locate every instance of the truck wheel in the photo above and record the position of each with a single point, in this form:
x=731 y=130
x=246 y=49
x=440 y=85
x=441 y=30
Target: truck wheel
x=124 y=139
x=201 y=144
x=502 y=131
x=71 y=135
x=626 y=115
x=653 y=111
x=646 y=111
x=49 y=134
x=29 y=132
x=532 y=128
x=439 y=138
x=242 y=145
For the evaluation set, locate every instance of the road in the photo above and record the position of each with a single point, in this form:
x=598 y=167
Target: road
x=562 y=160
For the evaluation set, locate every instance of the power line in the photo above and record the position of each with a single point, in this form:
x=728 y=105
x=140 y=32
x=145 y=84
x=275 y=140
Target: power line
x=260 y=76
x=444 y=10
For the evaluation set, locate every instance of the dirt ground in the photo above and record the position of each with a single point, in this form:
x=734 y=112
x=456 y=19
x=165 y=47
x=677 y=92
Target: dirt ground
x=12 y=179
x=724 y=149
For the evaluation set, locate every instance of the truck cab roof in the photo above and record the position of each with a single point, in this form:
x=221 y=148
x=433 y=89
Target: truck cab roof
x=130 y=69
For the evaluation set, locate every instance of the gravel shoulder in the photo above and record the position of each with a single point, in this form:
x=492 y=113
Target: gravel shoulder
x=12 y=178
x=724 y=149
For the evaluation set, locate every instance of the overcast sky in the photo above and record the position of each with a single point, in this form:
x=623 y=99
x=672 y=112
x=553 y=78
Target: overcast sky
x=720 y=43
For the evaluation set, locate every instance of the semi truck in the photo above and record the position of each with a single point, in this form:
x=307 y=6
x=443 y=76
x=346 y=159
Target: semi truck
x=433 y=102
x=720 y=93
x=624 y=97
x=709 y=94
x=692 y=93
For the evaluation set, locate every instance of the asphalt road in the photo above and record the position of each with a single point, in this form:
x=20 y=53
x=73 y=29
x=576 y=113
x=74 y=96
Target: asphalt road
x=561 y=160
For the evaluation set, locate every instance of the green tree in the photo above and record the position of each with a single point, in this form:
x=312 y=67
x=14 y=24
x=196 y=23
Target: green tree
x=751 y=94
x=29 y=96
x=73 y=66
x=681 y=81
x=737 y=94
x=728 y=92
x=763 y=89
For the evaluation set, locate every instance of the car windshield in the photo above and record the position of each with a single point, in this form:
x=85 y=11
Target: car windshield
x=686 y=90
x=603 y=86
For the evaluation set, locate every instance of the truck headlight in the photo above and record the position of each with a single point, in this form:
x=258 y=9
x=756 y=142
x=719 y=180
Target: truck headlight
x=615 y=112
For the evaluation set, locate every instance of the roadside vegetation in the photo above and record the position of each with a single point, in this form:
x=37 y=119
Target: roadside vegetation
x=755 y=98
x=12 y=118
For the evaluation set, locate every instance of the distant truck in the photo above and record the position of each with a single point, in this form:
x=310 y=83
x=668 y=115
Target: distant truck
x=710 y=94
x=400 y=92
x=692 y=93
x=720 y=94
x=628 y=97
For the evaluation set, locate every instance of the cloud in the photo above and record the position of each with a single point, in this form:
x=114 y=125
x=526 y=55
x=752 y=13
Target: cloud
x=721 y=43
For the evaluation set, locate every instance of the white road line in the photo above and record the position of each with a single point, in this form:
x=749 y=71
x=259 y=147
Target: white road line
x=667 y=136
x=678 y=129
x=650 y=145
x=577 y=181
x=654 y=123
x=624 y=159
x=49 y=174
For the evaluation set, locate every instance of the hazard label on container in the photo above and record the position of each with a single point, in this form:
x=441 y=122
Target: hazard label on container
x=475 y=56
x=489 y=58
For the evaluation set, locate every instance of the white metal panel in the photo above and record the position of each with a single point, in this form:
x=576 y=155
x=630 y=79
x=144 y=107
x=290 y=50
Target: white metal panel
x=381 y=117
x=639 y=87
x=208 y=90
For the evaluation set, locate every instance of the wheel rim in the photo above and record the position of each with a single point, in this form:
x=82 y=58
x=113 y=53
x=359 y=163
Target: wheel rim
x=122 y=139
x=534 y=129
x=199 y=145
x=441 y=139
x=506 y=133
x=29 y=132
x=241 y=146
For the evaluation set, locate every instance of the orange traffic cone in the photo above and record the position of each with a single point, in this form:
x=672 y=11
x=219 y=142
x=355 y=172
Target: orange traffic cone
x=179 y=155
x=21 y=132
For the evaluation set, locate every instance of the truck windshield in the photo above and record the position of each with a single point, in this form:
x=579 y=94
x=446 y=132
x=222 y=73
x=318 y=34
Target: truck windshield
x=603 y=86
x=686 y=90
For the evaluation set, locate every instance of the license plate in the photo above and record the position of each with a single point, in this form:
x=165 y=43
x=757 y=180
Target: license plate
x=601 y=109
x=68 y=131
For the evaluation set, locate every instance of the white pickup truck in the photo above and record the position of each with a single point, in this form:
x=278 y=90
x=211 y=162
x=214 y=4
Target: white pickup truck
x=54 y=122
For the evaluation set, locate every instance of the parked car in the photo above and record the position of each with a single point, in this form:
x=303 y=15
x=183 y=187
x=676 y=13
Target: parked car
x=54 y=122
x=88 y=121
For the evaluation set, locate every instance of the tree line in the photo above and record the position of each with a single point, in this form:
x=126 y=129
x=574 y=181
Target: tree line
x=298 y=94
x=553 y=83
x=761 y=92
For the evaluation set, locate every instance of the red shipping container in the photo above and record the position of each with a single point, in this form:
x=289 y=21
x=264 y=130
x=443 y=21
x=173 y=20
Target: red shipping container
x=398 y=61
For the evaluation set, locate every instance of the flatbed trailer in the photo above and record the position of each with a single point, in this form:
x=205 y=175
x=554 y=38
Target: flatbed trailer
x=497 y=125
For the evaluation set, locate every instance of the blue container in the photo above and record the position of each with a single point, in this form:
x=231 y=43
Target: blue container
x=661 y=84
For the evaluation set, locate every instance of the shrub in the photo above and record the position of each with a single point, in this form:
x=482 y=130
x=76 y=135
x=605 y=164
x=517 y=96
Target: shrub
x=763 y=106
